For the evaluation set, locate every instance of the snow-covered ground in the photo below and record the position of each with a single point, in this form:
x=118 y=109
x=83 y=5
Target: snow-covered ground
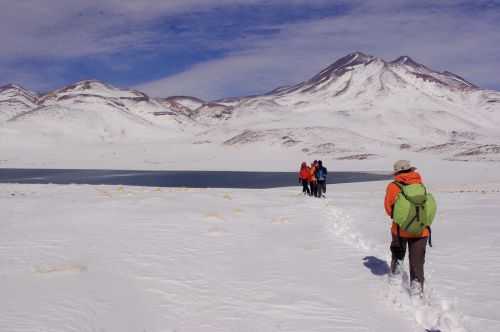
x=103 y=258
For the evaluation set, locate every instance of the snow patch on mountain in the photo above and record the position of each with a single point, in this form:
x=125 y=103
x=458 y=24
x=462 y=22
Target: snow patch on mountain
x=97 y=124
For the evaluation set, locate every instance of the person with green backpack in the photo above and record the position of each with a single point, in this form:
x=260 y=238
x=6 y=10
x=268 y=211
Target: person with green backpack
x=412 y=210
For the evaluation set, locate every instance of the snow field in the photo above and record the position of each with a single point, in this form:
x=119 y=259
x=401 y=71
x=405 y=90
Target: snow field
x=431 y=312
x=461 y=268
x=141 y=259
x=103 y=258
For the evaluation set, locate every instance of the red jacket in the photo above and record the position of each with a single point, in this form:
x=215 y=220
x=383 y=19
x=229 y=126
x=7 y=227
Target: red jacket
x=391 y=194
x=304 y=173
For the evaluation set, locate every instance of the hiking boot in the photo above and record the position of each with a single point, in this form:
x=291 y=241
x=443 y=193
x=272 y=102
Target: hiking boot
x=416 y=289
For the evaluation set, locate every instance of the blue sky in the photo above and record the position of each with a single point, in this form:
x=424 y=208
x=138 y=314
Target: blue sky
x=218 y=48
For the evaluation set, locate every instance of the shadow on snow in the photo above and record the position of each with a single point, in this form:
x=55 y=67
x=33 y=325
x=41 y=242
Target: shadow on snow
x=376 y=265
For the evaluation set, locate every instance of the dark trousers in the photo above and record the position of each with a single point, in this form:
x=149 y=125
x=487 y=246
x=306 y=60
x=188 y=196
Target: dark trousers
x=314 y=188
x=305 y=187
x=416 y=249
x=321 y=187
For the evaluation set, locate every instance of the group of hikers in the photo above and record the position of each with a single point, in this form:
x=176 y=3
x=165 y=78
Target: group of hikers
x=313 y=178
x=409 y=205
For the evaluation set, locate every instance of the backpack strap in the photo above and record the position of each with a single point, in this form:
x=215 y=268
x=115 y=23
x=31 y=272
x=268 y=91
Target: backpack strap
x=401 y=187
x=399 y=237
x=399 y=184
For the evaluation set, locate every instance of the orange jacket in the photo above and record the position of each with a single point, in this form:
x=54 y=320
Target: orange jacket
x=312 y=174
x=391 y=195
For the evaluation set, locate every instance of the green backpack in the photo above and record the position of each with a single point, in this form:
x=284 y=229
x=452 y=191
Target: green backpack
x=414 y=209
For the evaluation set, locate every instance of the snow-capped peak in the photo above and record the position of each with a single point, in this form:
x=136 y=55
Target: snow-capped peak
x=15 y=100
x=90 y=88
x=341 y=65
x=356 y=58
x=332 y=72
x=445 y=79
x=13 y=90
x=373 y=74
x=10 y=87
x=406 y=60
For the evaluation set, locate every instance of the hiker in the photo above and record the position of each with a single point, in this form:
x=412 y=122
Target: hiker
x=304 y=176
x=413 y=235
x=321 y=173
x=312 y=178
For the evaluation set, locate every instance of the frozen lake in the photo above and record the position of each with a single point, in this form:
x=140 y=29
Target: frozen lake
x=189 y=179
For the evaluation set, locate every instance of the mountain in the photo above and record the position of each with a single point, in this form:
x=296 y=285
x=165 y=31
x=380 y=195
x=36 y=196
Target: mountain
x=92 y=110
x=359 y=107
x=15 y=100
x=398 y=103
x=93 y=93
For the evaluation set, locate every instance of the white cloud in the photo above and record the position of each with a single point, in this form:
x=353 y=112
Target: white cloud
x=232 y=76
x=51 y=31
x=61 y=28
